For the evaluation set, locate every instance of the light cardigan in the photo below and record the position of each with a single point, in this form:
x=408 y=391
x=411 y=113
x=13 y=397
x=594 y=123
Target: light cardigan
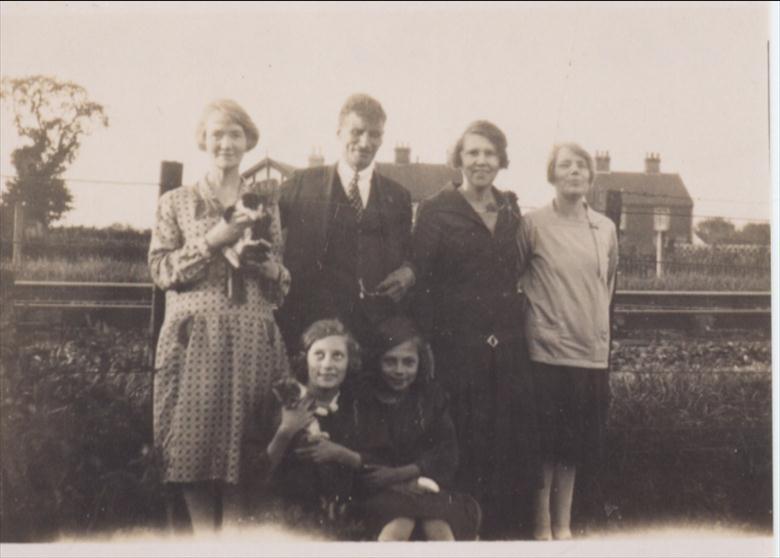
x=568 y=268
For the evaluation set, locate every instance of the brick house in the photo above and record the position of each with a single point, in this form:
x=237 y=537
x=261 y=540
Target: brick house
x=644 y=194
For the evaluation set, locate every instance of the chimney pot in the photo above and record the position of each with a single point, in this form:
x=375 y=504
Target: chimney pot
x=652 y=163
x=602 y=161
x=316 y=159
x=403 y=154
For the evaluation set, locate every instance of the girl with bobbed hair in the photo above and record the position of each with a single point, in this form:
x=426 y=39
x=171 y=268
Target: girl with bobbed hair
x=407 y=444
x=314 y=472
x=569 y=255
x=216 y=357
x=233 y=112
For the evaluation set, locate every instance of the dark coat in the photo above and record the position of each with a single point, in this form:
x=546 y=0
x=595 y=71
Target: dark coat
x=466 y=300
x=309 y=206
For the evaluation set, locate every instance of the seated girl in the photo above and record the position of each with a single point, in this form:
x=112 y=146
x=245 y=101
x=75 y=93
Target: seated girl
x=407 y=443
x=308 y=463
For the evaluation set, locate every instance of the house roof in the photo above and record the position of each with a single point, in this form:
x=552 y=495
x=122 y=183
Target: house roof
x=645 y=189
x=421 y=179
x=283 y=168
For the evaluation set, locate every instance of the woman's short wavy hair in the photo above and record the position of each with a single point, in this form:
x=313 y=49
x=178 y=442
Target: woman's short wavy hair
x=235 y=113
x=490 y=132
x=575 y=148
x=320 y=330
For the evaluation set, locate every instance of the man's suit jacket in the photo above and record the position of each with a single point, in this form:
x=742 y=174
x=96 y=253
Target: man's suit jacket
x=307 y=207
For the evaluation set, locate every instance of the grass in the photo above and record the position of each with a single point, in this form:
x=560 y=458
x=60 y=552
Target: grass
x=689 y=434
x=84 y=269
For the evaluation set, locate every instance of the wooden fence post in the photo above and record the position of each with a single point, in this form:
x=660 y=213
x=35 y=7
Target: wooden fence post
x=615 y=207
x=170 y=178
x=17 y=249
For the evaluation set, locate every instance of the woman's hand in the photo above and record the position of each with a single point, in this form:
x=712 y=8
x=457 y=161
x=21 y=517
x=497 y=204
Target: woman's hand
x=268 y=268
x=226 y=233
x=297 y=417
x=325 y=451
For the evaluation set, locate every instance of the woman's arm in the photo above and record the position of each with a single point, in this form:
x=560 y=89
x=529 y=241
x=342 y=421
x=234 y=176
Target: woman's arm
x=425 y=246
x=524 y=244
x=382 y=476
x=325 y=451
x=612 y=261
x=172 y=260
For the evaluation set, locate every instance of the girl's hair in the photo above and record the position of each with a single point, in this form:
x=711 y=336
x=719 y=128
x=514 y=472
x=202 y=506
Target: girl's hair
x=395 y=331
x=320 y=330
x=235 y=113
x=425 y=360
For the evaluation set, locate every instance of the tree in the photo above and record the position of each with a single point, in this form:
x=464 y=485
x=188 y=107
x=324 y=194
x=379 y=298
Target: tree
x=717 y=230
x=756 y=233
x=51 y=116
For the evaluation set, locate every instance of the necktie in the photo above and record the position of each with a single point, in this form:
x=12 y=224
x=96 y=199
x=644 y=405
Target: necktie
x=354 y=197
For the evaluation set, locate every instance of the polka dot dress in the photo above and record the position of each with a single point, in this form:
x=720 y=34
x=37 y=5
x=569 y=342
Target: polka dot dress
x=216 y=359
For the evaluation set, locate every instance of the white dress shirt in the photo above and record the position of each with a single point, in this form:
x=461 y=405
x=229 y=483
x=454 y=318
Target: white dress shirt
x=347 y=173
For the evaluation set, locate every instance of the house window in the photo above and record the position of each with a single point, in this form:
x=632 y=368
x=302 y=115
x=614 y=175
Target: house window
x=623 y=221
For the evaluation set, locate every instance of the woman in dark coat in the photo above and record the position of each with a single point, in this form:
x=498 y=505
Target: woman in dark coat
x=466 y=259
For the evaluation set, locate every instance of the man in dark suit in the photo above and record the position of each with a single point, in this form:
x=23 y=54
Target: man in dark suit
x=347 y=234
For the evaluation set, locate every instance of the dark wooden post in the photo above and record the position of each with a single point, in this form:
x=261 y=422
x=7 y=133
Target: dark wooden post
x=170 y=178
x=615 y=207
x=17 y=249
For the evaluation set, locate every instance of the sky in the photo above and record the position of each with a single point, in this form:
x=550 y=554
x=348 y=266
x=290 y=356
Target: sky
x=687 y=81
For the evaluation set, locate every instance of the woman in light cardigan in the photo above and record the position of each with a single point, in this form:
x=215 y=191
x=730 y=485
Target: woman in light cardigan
x=569 y=259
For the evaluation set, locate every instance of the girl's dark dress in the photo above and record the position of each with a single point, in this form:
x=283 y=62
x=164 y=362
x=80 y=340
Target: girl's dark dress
x=470 y=310
x=415 y=430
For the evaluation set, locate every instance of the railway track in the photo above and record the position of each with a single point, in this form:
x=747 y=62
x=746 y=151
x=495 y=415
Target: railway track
x=138 y=296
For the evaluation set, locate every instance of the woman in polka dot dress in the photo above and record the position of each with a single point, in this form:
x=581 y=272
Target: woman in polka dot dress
x=216 y=356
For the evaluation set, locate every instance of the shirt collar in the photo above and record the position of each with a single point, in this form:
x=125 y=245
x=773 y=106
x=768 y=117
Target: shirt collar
x=347 y=173
x=207 y=190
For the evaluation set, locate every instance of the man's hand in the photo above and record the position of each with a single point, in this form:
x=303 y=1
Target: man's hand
x=397 y=283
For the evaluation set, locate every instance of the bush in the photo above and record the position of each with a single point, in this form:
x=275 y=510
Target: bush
x=76 y=437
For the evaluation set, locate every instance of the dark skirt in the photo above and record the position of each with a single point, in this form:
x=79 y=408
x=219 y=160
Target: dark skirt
x=460 y=511
x=572 y=406
x=492 y=406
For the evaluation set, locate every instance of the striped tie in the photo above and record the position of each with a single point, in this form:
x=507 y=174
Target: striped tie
x=354 y=197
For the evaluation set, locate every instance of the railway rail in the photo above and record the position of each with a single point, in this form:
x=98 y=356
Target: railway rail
x=67 y=294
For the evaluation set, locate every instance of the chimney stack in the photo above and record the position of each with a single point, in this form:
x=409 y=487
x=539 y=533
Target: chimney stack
x=403 y=154
x=652 y=163
x=602 y=161
x=316 y=159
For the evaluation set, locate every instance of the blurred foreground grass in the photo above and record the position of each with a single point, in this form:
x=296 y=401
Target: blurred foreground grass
x=689 y=435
